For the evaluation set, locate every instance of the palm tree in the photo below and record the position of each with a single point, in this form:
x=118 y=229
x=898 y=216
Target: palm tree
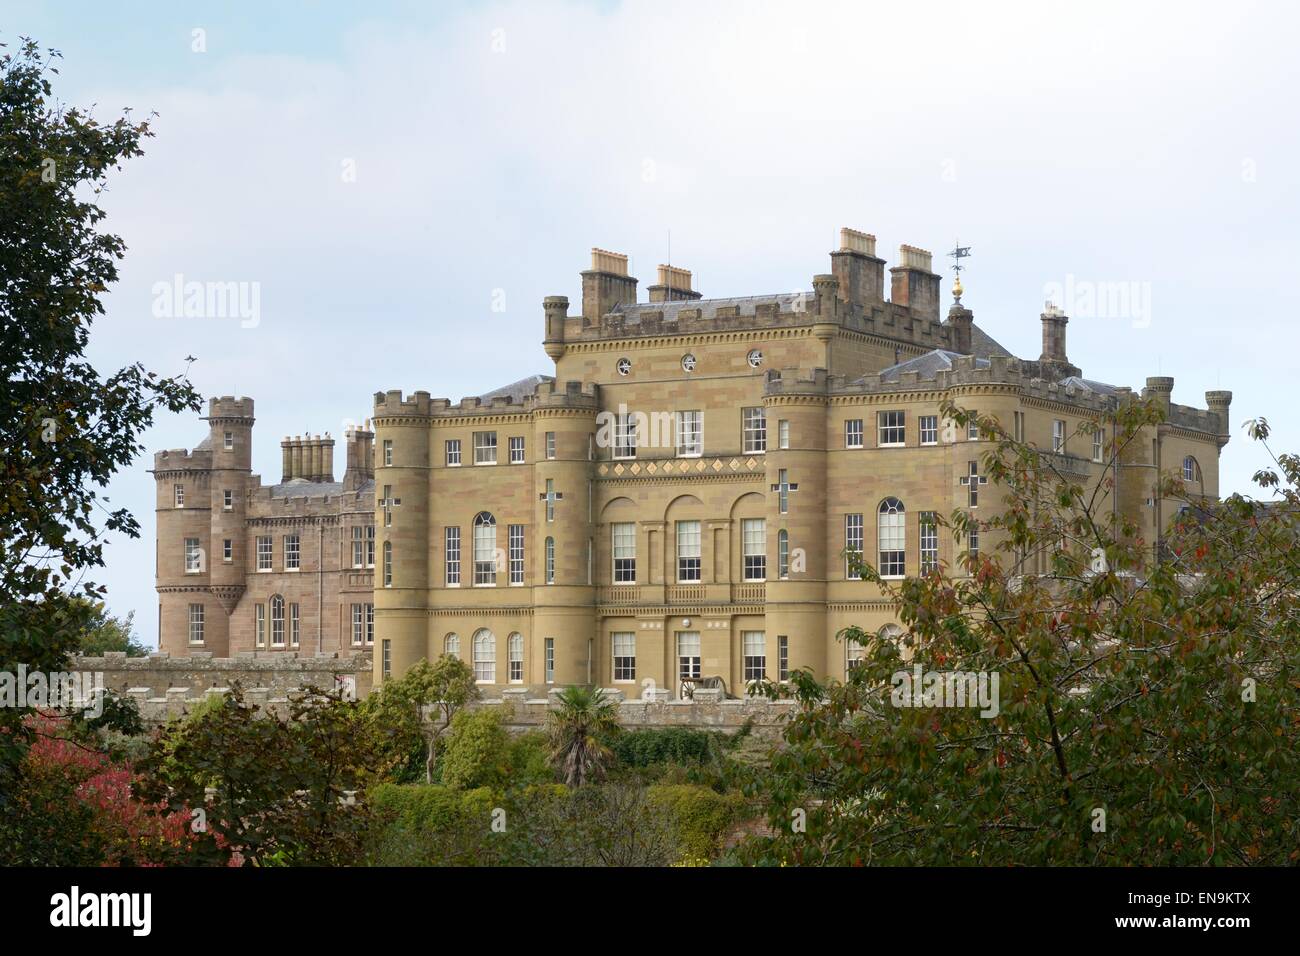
x=577 y=731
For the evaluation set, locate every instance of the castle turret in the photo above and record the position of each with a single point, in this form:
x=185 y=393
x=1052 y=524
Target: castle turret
x=960 y=320
x=556 y=308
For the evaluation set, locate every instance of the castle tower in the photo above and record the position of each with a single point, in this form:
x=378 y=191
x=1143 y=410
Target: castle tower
x=230 y=433
x=402 y=529
x=564 y=623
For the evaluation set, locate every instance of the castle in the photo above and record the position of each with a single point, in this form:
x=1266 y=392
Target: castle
x=675 y=502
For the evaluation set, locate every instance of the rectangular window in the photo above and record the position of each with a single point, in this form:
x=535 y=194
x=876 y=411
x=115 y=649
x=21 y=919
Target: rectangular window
x=388 y=452
x=550 y=660
x=1018 y=424
x=259 y=625
x=624 y=544
x=973 y=544
x=485 y=448
x=193 y=556
x=852 y=544
x=550 y=560
x=550 y=499
x=388 y=564
x=782 y=657
x=688 y=551
x=178 y=492
x=370 y=546
x=387 y=503
x=624 y=657
x=783 y=491
x=754 y=430
x=453 y=452
x=753 y=534
x=754 y=654
x=783 y=554
x=516 y=449
x=929 y=542
x=196 y=623
x=358 y=547
x=264 y=553
x=891 y=428
x=783 y=433
x=295 y=626
x=227 y=550
x=452 y=539
x=688 y=654
x=973 y=428
x=1098 y=442
x=853 y=433
x=358 y=625
x=370 y=625
x=386 y=658
x=515 y=540
x=229 y=440
x=929 y=429
x=625 y=436
x=690 y=434
x=292 y=556
x=550 y=445
x=973 y=481
x=227 y=500
x=1058 y=436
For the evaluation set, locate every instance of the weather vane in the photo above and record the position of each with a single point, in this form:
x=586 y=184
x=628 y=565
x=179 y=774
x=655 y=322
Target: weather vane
x=958 y=253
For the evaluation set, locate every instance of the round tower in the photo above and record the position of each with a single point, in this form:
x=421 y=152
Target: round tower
x=564 y=609
x=402 y=495
x=230 y=436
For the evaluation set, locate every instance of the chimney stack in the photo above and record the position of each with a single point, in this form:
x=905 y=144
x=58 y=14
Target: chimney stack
x=605 y=285
x=674 y=285
x=1054 y=323
x=861 y=273
x=913 y=284
x=286 y=452
x=360 y=458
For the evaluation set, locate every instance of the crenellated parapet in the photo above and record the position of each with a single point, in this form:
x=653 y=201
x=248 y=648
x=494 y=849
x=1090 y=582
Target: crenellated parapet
x=175 y=460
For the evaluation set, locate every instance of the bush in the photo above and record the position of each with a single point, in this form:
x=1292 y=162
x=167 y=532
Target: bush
x=700 y=816
x=528 y=761
x=679 y=745
x=476 y=751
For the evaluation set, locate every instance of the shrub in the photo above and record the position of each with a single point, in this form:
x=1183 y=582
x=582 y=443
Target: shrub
x=701 y=817
x=476 y=751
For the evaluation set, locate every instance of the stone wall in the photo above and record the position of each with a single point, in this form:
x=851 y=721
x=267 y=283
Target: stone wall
x=164 y=686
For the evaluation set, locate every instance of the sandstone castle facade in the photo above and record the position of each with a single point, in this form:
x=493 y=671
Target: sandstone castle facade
x=674 y=502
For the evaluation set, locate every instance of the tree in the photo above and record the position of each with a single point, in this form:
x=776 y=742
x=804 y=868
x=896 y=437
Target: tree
x=1145 y=706
x=64 y=428
x=105 y=632
x=398 y=708
x=578 y=731
x=272 y=791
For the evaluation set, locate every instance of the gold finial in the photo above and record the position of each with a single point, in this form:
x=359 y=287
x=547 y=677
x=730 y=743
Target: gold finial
x=957 y=289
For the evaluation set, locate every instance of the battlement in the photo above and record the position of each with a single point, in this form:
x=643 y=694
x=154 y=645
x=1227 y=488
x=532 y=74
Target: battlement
x=229 y=408
x=174 y=459
x=392 y=404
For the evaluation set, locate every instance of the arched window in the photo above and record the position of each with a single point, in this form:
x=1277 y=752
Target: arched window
x=1191 y=469
x=550 y=560
x=891 y=533
x=783 y=554
x=451 y=645
x=515 y=658
x=485 y=656
x=277 y=621
x=485 y=548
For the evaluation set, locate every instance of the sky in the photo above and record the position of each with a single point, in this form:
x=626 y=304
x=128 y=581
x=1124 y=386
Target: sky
x=400 y=184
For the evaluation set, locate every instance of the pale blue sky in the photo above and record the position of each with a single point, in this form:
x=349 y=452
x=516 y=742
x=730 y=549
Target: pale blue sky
x=494 y=144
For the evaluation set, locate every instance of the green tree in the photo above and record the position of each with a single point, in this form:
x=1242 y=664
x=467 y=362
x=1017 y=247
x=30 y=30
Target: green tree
x=105 y=632
x=477 y=751
x=1146 y=709
x=64 y=428
x=579 y=731
x=274 y=791
x=399 y=708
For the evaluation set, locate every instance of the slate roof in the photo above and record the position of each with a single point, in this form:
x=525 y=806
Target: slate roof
x=517 y=391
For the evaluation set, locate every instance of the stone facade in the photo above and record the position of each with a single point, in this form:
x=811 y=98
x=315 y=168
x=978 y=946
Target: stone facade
x=773 y=432
x=528 y=532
